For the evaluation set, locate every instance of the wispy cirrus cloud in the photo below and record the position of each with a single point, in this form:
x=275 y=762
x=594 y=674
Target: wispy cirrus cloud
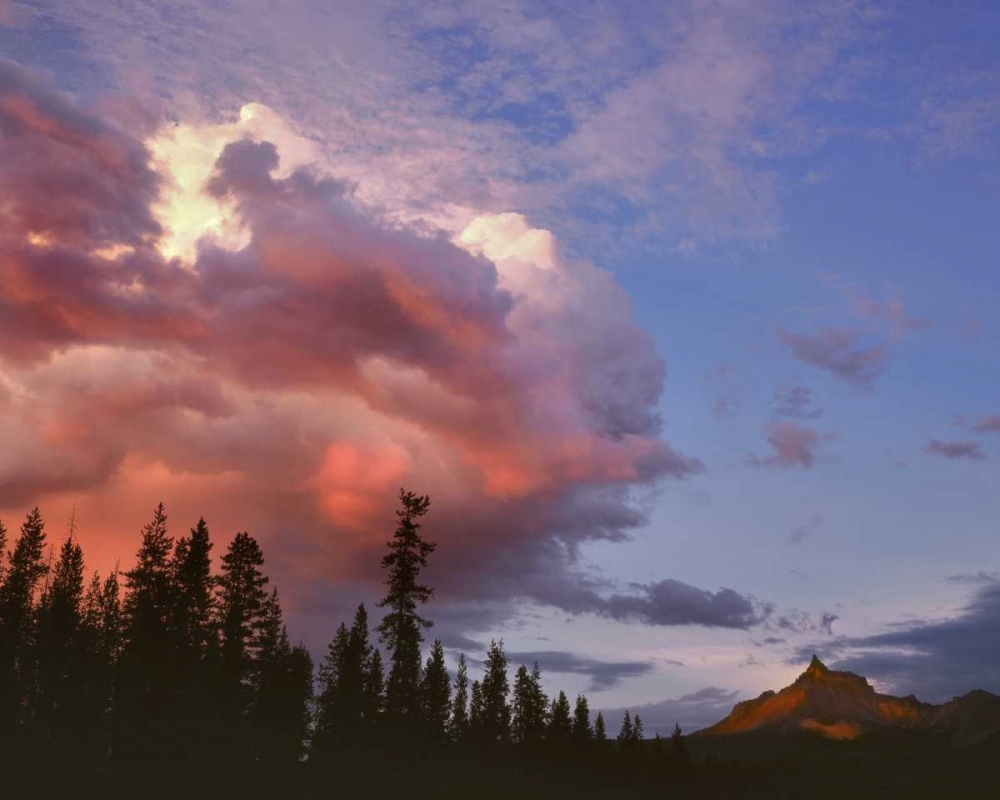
x=988 y=424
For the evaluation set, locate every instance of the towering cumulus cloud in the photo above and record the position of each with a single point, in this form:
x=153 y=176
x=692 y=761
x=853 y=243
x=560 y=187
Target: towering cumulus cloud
x=291 y=379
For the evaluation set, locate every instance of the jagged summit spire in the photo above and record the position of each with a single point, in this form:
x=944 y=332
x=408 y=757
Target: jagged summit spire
x=817 y=665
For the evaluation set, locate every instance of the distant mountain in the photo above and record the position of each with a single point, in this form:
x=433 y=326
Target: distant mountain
x=842 y=705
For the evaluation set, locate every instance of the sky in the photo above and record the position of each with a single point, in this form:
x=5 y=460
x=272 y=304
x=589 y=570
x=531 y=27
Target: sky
x=683 y=314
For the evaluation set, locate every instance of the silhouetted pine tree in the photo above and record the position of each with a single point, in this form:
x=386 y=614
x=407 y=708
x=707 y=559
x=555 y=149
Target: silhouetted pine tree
x=328 y=731
x=476 y=732
x=529 y=708
x=582 y=733
x=435 y=695
x=241 y=601
x=600 y=731
x=678 y=747
x=627 y=733
x=58 y=710
x=283 y=690
x=374 y=689
x=459 y=726
x=99 y=654
x=637 y=733
x=401 y=628
x=494 y=723
x=145 y=674
x=26 y=567
x=192 y=628
x=560 y=721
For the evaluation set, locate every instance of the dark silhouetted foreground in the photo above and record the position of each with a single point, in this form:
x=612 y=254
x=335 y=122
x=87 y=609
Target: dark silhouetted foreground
x=175 y=679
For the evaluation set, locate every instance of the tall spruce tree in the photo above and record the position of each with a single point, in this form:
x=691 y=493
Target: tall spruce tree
x=374 y=689
x=459 y=725
x=242 y=606
x=192 y=627
x=582 y=732
x=282 y=692
x=627 y=732
x=401 y=628
x=328 y=731
x=435 y=694
x=560 y=721
x=494 y=723
x=26 y=567
x=58 y=711
x=600 y=730
x=145 y=674
x=637 y=732
x=529 y=708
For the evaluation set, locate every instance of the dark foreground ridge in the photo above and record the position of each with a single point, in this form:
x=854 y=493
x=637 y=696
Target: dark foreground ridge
x=177 y=678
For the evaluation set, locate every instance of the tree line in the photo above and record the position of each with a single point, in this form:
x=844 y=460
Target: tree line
x=174 y=662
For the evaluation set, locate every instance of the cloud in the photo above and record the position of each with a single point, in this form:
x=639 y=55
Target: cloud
x=603 y=674
x=793 y=445
x=988 y=424
x=801 y=532
x=307 y=369
x=955 y=450
x=692 y=712
x=670 y=602
x=840 y=353
x=934 y=660
x=848 y=354
x=795 y=402
x=974 y=578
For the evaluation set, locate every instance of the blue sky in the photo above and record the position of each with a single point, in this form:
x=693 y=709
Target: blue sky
x=798 y=199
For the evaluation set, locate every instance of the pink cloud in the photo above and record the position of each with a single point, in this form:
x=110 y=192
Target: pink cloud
x=794 y=445
x=988 y=424
x=290 y=387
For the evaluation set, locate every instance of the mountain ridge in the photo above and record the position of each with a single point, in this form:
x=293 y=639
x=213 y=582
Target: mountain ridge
x=843 y=705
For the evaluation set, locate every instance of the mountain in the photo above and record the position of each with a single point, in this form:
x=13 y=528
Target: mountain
x=842 y=705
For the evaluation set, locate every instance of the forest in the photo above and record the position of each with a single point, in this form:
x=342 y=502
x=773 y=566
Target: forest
x=174 y=676
x=174 y=668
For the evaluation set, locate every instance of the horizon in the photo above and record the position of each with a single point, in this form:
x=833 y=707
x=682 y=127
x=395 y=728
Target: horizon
x=684 y=318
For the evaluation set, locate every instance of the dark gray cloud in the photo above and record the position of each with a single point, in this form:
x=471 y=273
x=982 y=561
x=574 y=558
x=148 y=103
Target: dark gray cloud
x=955 y=450
x=795 y=402
x=691 y=711
x=602 y=674
x=670 y=602
x=933 y=660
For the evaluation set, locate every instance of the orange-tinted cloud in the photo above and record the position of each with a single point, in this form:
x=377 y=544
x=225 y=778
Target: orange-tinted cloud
x=291 y=381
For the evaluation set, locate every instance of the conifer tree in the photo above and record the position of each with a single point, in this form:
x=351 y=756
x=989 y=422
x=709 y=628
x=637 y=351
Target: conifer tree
x=401 y=628
x=328 y=730
x=459 y=726
x=3 y=552
x=582 y=733
x=282 y=692
x=678 y=747
x=560 y=721
x=600 y=731
x=495 y=712
x=637 y=733
x=435 y=694
x=191 y=628
x=145 y=675
x=476 y=726
x=25 y=569
x=242 y=601
x=627 y=732
x=60 y=639
x=374 y=689
x=530 y=707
